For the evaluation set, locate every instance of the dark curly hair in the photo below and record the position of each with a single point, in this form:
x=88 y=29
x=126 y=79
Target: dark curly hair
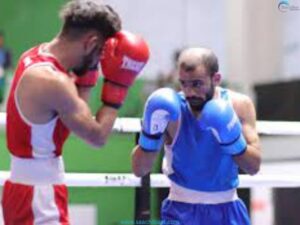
x=80 y=16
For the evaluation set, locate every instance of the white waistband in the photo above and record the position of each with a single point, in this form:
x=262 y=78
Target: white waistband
x=181 y=194
x=36 y=171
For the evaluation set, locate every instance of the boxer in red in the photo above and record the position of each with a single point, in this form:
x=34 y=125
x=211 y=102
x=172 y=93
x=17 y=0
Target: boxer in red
x=48 y=99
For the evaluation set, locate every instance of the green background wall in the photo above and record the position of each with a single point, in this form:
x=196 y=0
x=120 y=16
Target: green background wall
x=28 y=22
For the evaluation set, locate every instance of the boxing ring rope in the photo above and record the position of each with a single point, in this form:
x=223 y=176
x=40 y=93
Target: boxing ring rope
x=133 y=125
x=161 y=181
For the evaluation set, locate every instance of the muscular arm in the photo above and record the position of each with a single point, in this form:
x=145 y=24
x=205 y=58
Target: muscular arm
x=161 y=109
x=251 y=159
x=142 y=162
x=57 y=94
x=84 y=93
x=76 y=115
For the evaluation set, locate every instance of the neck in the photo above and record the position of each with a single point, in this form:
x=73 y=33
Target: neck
x=60 y=49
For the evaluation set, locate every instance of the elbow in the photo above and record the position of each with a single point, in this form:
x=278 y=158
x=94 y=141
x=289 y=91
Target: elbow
x=96 y=145
x=97 y=142
x=141 y=162
x=138 y=171
x=251 y=162
x=138 y=168
x=253 y=171
x=92 y=138
x=98 y=138
x=254 y=168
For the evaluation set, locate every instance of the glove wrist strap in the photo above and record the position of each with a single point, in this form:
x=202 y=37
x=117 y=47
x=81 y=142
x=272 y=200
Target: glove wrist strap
x=150 y=143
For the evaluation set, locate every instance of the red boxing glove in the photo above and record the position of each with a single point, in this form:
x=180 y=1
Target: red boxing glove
x=89 y=79
x=122 y=59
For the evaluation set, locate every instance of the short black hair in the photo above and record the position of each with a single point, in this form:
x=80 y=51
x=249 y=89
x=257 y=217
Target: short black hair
x=80 y=16
x=190 y=58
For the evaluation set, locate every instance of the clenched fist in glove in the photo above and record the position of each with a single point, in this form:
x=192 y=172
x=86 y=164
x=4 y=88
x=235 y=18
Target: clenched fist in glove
x=122 y=59
x=89 y=79
x=219 y=116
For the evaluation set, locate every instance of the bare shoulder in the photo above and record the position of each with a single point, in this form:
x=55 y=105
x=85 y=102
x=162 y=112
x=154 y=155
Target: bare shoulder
x=242 y=104
x=44 y=79
x=239 y=98
x=45 y=75
x=42 y=91
x=46 y=86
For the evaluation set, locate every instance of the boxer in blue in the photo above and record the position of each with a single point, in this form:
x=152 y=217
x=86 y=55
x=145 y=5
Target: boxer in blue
x=208 y=132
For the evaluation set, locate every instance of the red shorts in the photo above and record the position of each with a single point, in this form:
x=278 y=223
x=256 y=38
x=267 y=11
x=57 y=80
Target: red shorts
x=35 y=205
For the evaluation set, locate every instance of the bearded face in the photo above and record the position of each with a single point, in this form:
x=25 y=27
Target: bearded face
x=198 y=85
x=197 y=103
x=88 y=62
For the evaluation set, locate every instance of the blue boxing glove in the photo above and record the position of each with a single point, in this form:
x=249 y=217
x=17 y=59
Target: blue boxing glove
x=162 y=106
x=219 y=116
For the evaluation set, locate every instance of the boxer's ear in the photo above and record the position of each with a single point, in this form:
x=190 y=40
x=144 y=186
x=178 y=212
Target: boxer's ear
x=91 y=40
x=216 y=78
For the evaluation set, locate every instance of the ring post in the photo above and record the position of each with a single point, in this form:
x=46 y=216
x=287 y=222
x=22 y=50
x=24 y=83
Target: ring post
x=142 y=198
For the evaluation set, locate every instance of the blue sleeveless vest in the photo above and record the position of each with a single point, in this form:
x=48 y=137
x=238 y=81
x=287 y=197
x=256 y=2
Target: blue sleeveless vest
x=197 y=160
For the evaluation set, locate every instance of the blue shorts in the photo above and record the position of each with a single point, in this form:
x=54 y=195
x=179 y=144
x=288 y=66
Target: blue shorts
x=179 y=213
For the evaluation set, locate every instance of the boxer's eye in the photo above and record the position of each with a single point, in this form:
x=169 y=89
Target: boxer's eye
x=192 y=84
x=182 y=83
x=197 y=83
